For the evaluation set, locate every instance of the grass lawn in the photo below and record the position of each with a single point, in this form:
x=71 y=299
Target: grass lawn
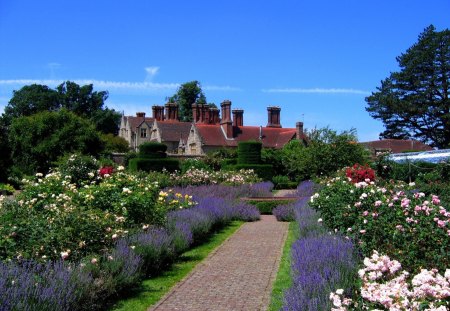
x=283 y=280
x=153 y=289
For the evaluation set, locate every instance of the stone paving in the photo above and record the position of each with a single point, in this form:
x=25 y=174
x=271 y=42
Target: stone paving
x=237 y=276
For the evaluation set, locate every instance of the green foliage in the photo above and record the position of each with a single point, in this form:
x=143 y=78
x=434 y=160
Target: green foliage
x=150 y=148
x=31 y=99
x=187 y=94
x=390 y=218
x=327 y=152
x=283 y=182
x=249 y=152
x=220 y=158
x=53 y=215
x=114 y=143
x=6 y=189
x=264 y=171
x=5 y=159
x=266 y=206
x=274 y=157
x=142 y=164
x=152 y=157
x=195 y=163
x=414 y=103
x=38 y=140
x=80 y=168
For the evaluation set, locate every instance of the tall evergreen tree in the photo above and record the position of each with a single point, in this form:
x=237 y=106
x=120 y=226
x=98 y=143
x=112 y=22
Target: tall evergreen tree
x=414 y=103
x=187 y=94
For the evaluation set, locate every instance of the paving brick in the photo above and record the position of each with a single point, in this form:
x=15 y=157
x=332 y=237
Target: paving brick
x=237 y=276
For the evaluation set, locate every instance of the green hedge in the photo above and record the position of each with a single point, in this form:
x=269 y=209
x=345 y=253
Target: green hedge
x=264 y=171
x=266 y=207
x=154 y=155
x=147 y=165
x=152 y=147
x=249 y=152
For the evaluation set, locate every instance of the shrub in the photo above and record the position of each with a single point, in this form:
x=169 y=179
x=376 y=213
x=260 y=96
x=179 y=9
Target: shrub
x=358 y=173
x=6 y=189
x=196 y=163
x=153 y=148
x=147 y=165
x=390 y=218
x=266 y=206
x=284 y=212
x=249 y=152
x=80 y=168
x=264 y=171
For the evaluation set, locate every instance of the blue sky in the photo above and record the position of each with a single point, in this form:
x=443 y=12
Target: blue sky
x=317 y=60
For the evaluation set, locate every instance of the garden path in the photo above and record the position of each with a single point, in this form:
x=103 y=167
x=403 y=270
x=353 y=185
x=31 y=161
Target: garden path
x=237 y=276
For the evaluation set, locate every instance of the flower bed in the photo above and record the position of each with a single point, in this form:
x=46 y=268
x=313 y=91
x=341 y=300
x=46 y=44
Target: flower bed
x=77 y=236
x=321 y=262
x=404 y=236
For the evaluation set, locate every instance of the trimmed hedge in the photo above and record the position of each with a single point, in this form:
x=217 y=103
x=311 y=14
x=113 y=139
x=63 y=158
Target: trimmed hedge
x=152 y=147
x=152 y=157
x=266 y=207
x=140 y=164
x=249 y=152
x=264 y=171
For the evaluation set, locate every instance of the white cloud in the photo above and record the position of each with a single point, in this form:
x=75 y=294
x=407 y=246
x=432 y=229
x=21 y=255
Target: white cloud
x=101 y=84
x=114 y=85
x=151 y=71
x=317 y=91
x=220 y=88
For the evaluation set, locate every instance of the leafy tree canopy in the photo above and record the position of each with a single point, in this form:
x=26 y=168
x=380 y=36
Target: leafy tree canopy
x=38 y=140
x=413 y=102
x=82 y=100
x=187 y=94
x=326 y=152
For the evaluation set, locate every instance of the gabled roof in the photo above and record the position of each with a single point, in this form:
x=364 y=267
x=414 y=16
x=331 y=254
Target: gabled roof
x=173 y=130
x=213 y=135
x=397 y=145
x=134 y=122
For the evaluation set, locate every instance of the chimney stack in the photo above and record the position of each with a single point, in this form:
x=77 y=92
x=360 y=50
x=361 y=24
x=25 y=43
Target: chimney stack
x=171 y=111
x=214 y=116
x=226 y=122
x=140 y=114
x=299 y=130
x=158 y=113
x=273 y=114
x=238 y=117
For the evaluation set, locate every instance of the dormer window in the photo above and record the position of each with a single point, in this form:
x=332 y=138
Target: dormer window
x=143 y=133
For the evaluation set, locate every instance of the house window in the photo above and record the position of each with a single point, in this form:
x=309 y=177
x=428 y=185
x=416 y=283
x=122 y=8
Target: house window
x=143 y=133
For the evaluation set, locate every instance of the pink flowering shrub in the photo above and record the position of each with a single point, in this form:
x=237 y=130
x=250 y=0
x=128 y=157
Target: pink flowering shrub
x=407 y=225
x=386 y=286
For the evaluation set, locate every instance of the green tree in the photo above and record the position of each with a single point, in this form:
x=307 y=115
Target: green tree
x=187 y=94
x=82 y=100
x=326 y=152
x=38 y=140
x=5 y=159
x=29 y=100
x=414 y=103
x=114 y=143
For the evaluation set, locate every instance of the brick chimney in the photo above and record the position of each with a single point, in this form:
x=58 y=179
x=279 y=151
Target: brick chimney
x=140 y=114
x=299 y=130
x=171 y=111
x=158 y=113
x=226 y=123
x=238 y=117
x=214 y=116
x=273 y=115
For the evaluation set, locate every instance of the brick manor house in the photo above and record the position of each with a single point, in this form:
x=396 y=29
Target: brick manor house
x=207 y=132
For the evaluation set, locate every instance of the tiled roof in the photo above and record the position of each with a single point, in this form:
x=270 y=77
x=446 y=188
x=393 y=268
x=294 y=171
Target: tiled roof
x=136 y=121
x=397 y=145
x=212 y=135
x=173 y=130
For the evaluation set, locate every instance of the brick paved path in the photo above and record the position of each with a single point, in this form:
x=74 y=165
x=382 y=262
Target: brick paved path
x=237 y=276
